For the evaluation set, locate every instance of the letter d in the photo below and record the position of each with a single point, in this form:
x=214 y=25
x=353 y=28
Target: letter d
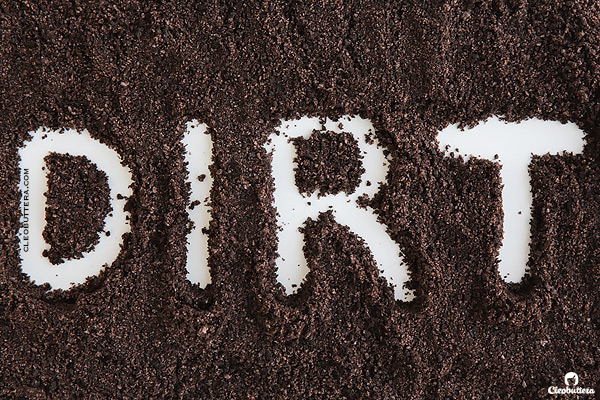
x=72 y=271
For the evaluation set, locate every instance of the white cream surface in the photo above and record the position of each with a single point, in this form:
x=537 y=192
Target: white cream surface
x=512 y=145
x=294 y=208
x=33 y=203
x=198 y=155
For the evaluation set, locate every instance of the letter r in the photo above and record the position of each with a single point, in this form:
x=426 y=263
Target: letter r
x=293 y=209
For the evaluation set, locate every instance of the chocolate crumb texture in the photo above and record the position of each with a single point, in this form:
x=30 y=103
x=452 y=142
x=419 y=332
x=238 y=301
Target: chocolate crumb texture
x=134 y=73
x=77 y=202
x=328 y=163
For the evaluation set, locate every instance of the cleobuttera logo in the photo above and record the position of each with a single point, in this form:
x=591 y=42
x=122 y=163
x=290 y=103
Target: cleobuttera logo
x=571 y=379
x=571 y=382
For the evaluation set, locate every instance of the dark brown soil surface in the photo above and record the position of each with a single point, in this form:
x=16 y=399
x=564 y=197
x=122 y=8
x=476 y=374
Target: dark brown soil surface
x=133 y=73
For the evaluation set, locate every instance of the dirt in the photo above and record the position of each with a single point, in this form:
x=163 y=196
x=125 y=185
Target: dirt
x=327 y=163
x=134 y=73
x=77 y=202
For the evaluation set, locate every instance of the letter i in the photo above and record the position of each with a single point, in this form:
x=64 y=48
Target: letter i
x=198 y=156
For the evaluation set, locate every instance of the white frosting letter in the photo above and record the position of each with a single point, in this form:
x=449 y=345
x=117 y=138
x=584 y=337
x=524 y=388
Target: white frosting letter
x=293 y=209
x=33 y=185
x=512 y=145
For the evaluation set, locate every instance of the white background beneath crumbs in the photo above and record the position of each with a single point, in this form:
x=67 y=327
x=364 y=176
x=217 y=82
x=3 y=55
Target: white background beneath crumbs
x=513 y=143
